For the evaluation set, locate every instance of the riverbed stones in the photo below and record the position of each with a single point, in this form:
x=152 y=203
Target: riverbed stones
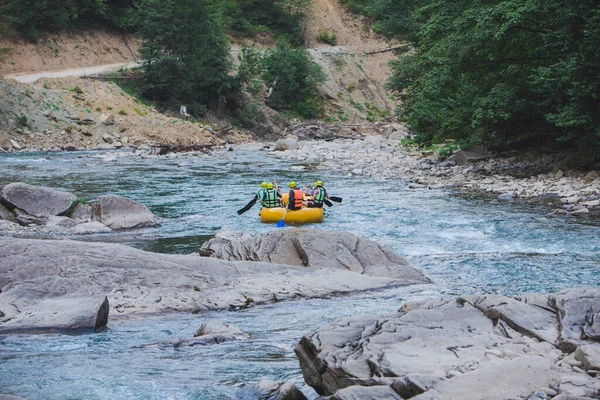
x=314 y=249
x=215 y=327
x=122 y=213
x=36 y=201
x=286 y=144
x=135 y=281
x=460 y=348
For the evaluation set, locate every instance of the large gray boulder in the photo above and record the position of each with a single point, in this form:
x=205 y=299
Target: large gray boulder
x=36 y=201
x=122 y=213
x=135 y=281
x=471 y=347
x=313 y=249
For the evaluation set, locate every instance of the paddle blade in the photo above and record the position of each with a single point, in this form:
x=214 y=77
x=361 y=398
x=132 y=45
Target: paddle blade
x=328 y=203
x=336 y=199
x=246 y=207
x=281 y=224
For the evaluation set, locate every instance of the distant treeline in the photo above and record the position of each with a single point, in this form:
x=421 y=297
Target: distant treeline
x=505 y=74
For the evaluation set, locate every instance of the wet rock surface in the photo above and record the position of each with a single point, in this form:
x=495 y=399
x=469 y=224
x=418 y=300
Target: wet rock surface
x=470 y=347
x=36 y=201
x=122 y=213
x=135 y=281
x=313 y=249
x=271 y=390
x=43 y=211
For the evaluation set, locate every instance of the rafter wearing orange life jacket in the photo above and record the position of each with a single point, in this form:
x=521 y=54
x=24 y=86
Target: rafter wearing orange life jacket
x=296 y=197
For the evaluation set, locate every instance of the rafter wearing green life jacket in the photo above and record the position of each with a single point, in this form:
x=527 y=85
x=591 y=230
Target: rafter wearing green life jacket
x=271 y=197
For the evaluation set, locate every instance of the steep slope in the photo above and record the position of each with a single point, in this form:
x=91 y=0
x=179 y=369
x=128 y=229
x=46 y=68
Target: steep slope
x=356 y=67
x=67 y=50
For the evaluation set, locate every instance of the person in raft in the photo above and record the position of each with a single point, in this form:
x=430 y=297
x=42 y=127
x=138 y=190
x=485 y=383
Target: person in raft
x=296 y=199
x=319 y=195
x=261 y=193
x=272 y=197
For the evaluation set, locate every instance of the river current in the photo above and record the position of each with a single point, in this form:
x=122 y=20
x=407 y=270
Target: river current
x=463 y=245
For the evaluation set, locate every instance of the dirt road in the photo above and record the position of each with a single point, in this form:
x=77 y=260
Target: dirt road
x=78 y=72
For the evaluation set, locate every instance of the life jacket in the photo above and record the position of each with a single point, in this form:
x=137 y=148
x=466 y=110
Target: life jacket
x=271 y=199
x=320 y=196
x=261 y=193
x=298 y=198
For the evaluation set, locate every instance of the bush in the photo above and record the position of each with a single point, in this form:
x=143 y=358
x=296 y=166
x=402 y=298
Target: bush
x=327 y=37
x=294 y=80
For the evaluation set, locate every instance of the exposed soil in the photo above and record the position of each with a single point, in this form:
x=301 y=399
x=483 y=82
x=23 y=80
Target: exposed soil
x=67 y=50
x=72 y=113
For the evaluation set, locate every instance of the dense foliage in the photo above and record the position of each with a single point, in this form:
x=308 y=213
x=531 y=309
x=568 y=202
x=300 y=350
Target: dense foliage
x=294 y=80
x=392 y=18
x=34 y=17
x=292 y=77
x=185 y=53
x=284 y=18
x=504 y=73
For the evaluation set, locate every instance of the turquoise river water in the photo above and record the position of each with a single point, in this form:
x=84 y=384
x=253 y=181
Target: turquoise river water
x=463 y=245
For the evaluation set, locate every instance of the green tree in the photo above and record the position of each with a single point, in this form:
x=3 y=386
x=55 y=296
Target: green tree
x=185 y=53
x=34 y=17
x=502 y=73
x=294 y=80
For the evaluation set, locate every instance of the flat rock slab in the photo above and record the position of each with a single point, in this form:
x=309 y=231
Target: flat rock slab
x=136 y=281
x=314 y=249
x=36 y=201
x=122 y=213
x=61 y=313
x=471 y=347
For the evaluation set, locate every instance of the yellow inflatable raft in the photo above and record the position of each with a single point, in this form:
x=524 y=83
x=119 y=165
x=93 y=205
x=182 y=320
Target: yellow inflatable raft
x=302 y=216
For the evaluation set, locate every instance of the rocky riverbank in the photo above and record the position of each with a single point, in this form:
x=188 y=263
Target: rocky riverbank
x=471 y=347
x=42 y=211
x=528 y=177
x=59 y=284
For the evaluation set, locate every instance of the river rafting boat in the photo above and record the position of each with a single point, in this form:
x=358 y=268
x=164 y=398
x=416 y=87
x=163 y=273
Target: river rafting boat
x=302 y=216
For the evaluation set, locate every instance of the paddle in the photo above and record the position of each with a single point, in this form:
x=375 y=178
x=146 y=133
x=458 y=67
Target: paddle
x=336 y=199
x=247 y=206
x=329 y=204
x=281 y=224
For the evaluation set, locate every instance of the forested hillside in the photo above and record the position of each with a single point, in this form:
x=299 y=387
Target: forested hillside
x=503 y=74
x=186 y=57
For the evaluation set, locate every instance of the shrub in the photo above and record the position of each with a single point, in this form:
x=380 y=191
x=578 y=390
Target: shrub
x=294 y=79
x=327 y=37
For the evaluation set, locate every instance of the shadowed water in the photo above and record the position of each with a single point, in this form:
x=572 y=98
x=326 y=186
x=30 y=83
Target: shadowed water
x=463 y=246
